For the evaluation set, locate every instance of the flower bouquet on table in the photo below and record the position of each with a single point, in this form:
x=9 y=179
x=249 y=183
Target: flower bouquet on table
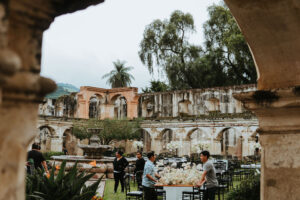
x=199 y=146
x=186 y=176
x=173 y=146
x=138 y=144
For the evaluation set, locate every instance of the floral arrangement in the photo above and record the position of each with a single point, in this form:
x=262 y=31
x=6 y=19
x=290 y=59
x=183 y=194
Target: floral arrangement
x=187 y=176
x=199 y=146
x=173 y=145
x=138 y=144
x=257 y=146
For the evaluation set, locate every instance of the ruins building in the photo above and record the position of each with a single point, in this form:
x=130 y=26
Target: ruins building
x=208 y=115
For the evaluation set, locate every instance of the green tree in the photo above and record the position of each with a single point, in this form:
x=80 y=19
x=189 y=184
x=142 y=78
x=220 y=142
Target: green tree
x=120 y=76
x=225 y=59
x=156 y=86
x=226 y=44
x=110 y=129
x=165 y=43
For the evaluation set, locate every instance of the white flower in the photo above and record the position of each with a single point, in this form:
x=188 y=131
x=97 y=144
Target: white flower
x=173 y=145
x=199 y=146
x=137 y=144
x=188 y=176
x=257 y=146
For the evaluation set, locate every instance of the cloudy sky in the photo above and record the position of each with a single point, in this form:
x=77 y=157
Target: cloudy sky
x=79 y=48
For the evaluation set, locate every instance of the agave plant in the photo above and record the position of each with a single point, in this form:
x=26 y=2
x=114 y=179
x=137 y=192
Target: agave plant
x=64 y=186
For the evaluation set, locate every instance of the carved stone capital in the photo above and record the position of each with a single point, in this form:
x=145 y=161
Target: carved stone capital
x=278 y=110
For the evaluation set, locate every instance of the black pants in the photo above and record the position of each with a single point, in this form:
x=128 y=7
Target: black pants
x=119 y=177
x=149 y=193
x=209 y=194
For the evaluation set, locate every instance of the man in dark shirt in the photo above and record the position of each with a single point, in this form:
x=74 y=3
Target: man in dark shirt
x=120 y=163
x=37 y=157
x=140 y=164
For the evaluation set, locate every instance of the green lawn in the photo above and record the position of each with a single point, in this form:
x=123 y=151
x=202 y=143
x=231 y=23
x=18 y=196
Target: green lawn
x=110 y=195
x=109 y=191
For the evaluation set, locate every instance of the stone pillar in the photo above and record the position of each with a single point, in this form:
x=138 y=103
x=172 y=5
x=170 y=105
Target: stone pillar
x=108 y=112
x=278 y=112
x=56 y=144
x=132 y=111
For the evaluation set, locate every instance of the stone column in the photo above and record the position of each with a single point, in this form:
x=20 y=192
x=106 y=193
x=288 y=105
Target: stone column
x=132 y=110
x=278 y=112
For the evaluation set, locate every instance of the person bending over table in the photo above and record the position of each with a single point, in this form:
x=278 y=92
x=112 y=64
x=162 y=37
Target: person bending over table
x=208 y=176
x=149 y=178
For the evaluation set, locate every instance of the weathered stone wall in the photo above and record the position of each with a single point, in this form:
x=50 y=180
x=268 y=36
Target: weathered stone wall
x=193 y=102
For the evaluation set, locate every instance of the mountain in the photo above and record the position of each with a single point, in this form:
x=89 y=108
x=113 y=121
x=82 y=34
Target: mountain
x=62 y=89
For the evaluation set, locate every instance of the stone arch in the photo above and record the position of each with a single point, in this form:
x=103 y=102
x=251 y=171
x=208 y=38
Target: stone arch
x=46 y=132
x=95 y=106
x=231 y=142
x=197 y=135
x=166 y=136
x=147 y=140
x=119 y=103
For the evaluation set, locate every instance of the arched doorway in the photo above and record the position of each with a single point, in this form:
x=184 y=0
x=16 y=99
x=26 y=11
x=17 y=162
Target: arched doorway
x=198 y=137
x=146 y=138
x=94 y=107
x=166 y=137
x=231 y=142
x=44 y=138
x=120 y=107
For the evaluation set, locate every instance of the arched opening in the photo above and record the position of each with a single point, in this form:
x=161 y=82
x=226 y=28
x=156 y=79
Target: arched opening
x=69 y=142
x=120 y=107
x=146 y=138
x=94 y=107
x=199 y=140
x=46 y=133
x=231 y=142
x=166 y=137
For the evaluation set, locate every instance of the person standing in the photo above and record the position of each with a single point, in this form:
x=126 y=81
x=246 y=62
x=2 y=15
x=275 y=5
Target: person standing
x=149 y=178
x=208 y=176
x=139 y=168
x=120 y=163
x=37 y=157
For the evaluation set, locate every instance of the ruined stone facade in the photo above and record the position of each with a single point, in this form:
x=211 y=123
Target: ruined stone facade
x=210 y=115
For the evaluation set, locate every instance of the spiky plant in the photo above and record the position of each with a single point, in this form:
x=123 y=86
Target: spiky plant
x=64 y=186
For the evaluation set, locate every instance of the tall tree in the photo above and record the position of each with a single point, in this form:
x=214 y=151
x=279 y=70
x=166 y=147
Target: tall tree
x=225 y=59
x=225 y=42
x=120 y=76
x=165 y=43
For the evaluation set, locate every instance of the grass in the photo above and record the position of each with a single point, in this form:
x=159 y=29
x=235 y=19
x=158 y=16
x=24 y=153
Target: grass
x=109 y=190
x=110 y=195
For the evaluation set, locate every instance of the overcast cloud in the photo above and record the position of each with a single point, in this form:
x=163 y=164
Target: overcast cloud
x=79 y=48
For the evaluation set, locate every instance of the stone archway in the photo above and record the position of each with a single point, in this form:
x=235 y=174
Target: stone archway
x=231 y=142
x=44 y=138
x=119 y=103
x=95 y=102
x=147 y=140
x=166 y=136
x=196 y=136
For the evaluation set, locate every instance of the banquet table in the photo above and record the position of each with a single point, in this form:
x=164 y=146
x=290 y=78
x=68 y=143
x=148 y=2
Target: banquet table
x=174 y=192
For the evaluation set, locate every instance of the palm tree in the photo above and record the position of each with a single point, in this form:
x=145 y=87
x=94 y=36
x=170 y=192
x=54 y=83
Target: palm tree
x=120 y=76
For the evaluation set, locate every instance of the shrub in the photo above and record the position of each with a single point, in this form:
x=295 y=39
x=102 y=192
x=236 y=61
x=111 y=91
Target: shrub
x=63 y=186
x=47 y=155
x=248 y=190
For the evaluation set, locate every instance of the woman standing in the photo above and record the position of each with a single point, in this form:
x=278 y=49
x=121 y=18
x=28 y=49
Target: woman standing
x=120 y=163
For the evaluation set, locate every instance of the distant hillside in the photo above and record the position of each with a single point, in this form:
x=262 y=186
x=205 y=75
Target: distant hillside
x=62 y=89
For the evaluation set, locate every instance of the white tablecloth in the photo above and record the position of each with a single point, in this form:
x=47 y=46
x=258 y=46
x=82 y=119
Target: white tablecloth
x=175 y=193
